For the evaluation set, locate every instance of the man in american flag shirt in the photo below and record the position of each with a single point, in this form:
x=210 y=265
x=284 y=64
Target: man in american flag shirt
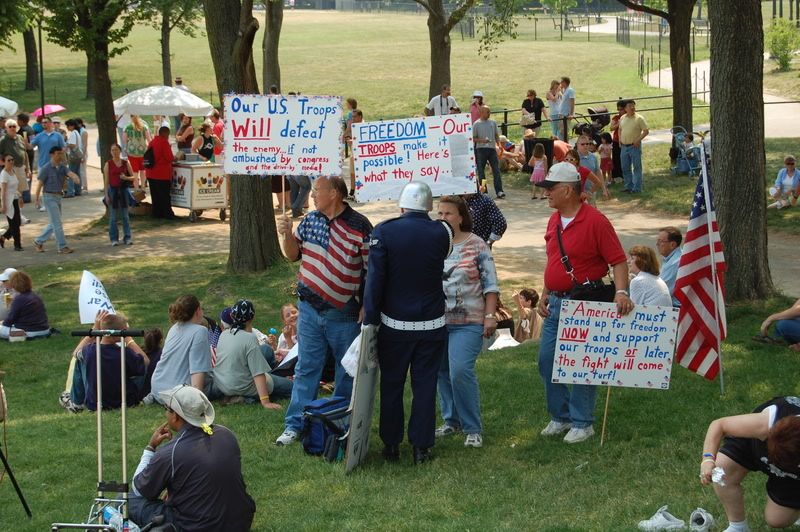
x=332 y=244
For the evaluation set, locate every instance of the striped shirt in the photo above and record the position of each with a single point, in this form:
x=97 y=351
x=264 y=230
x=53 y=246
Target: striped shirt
x=334 y=258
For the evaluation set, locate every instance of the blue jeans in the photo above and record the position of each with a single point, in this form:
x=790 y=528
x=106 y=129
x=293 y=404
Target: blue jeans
x=565 y=407
x=113 y=231
x=789 y=330
x=631 y=160
x=300 y=186
x=555 y=125
x=142 y=511
x=459 y=395
x=317 y=333
x=484 y=155
x=79 y=378
x=52 y=203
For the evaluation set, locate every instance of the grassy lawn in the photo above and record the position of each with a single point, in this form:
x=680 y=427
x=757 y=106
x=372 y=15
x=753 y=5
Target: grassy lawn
x=347 y=54
x=507 y=485
x=786 y=84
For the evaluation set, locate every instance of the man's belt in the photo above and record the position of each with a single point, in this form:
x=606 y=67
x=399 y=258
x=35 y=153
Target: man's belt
x=626 y=145
x=399 y=325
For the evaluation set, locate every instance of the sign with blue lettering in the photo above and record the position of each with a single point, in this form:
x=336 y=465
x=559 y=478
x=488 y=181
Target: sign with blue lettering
x=437 y=150
x=597 y=346
x=288 y=135
x=92 y=298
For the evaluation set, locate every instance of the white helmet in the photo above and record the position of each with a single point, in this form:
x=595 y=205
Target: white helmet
x=416 y=196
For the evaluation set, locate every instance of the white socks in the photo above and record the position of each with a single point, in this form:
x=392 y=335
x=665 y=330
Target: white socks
x=738 y=526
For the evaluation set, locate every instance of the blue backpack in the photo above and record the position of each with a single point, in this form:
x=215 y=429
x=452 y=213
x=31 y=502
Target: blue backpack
x=325 y=426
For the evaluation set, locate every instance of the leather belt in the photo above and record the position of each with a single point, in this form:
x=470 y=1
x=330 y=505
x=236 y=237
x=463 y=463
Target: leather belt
x=626 y=145
x=399 y=325
x=560 y=295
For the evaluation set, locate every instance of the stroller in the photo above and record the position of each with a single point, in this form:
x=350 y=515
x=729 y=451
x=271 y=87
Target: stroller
x=593 y=124
x=686 y=156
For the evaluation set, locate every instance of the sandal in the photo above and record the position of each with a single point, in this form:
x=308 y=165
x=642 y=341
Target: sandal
x=760 y=338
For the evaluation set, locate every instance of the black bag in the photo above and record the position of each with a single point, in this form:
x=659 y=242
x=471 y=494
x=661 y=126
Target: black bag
x=588 y=290
x=149 y=158
x=325 y=427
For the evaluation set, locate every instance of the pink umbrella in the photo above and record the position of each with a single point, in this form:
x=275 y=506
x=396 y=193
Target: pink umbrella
x=49 y=109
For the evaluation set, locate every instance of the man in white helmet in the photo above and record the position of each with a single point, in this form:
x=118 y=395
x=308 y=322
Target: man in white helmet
x=404 y=295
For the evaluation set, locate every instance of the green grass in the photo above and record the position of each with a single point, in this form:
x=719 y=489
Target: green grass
x=519 y=480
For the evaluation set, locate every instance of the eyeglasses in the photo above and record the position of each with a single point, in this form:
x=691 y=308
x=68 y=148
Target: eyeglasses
x=662 y=241
x=11 y=127
x=789 y=164
x=585 y=144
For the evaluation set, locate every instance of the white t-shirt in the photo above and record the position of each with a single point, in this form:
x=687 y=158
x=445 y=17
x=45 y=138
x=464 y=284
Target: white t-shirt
x=74 y=137
x=12 y=183
x=649 y=289
x=786 y=184
x=440 y=106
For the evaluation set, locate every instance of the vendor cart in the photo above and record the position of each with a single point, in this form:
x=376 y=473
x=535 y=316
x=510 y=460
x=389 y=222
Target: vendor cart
x=199 y=186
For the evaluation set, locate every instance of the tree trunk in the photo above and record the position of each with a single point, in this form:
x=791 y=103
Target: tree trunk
x=254 y=239
x=90 y=77
x=103 y=100
x=166 y=63
x=31 y=60
x=737 y=118
x=680 y=61
x=272 y=36
x=439 y=35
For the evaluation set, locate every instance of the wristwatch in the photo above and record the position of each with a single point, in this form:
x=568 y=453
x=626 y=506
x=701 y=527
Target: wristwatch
x=623 y=292
x=489 y=316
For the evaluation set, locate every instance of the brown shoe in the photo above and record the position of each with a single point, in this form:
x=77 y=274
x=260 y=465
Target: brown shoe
x=65 y=250
x=39 y=247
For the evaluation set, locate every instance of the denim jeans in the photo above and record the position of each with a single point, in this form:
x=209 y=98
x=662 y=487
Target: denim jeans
x=113 y=231
x=556 y=124
x=300 y=186
x=631 y=160
x=789 y=330
x=317 y=333
x=73 y=189
x=484 y=155
x=459 y=395
x=52 y=203
x=78 y=392
x=576 y=407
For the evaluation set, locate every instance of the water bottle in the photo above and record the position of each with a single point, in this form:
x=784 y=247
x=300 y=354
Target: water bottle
x=273 y=330
x=113 y=517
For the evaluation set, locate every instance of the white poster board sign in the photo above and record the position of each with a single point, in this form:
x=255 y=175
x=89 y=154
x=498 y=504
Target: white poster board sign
x=283 y=135
x=362 y=401
x=92 y=298
x=595 y=345
x=437 y=150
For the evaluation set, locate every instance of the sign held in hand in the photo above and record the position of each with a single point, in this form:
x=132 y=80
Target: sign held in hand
x=92 y=298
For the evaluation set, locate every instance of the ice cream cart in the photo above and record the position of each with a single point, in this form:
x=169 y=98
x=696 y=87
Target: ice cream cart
x=199 y=186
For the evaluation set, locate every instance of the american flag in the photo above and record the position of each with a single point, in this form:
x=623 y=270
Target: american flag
x=701 y=322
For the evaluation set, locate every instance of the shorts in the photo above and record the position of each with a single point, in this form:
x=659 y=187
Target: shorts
x=137 y=163
x=746 y=452
x=276 y=184
x=606 y=165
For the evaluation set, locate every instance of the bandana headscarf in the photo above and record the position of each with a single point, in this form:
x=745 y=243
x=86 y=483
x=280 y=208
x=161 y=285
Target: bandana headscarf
x=241 y=312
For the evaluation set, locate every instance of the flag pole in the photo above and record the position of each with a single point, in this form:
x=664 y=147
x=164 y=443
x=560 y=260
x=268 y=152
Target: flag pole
x=605 y=417
x=713 y=255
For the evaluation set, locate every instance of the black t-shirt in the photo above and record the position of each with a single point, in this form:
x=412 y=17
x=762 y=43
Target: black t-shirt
x=111 y=369
x=534 y=107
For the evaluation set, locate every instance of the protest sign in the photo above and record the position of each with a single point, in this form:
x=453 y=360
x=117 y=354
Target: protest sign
x=92 y=298
x=596 y=345
x=362 y=400
x=437 y=150
x=283 y=135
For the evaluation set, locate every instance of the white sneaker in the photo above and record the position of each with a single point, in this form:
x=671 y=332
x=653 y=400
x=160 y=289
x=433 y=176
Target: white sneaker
x=473 y=440
x=662 y=520
x=576 y=435
x=554 y=428
x=286 y=438
x=24 y=220
x=42 y=209
x=701 y=521
x=446 y=430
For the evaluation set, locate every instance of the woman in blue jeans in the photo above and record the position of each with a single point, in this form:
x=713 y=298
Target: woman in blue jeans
x=117 y=177
x=470 y=286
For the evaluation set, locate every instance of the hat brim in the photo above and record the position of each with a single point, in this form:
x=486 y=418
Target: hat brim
x=208 y=415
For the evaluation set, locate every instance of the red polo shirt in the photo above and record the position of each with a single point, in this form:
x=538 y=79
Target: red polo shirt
x=591 y=244
x=163 y=154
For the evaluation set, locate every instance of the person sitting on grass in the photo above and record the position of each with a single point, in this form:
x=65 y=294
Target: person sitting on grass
x=529 y=326
x=27 y=315
x=153 y=342
x=787 y=185
x=787 y=328
x=241 y=370
x=6 y=293
x=83 y=368
x=768 y=440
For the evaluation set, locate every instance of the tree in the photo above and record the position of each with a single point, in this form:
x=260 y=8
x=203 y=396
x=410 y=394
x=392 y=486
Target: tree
x=31 y=60
x=18 y=16
x=254 y=240
x=272 y=36
x=97 y=28
x=166 y=16
x=783 y=39
x=737 y=116
x=679 y=17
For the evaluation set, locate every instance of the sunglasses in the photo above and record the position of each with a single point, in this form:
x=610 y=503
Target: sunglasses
x=11 y=127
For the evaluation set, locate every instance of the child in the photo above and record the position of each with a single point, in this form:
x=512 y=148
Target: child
x=539 y=163
x=529 y=327
x=288 y=337
x=606 y=162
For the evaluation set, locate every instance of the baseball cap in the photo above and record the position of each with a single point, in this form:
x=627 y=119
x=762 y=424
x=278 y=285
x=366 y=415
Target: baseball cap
x=560 y=173
x=55 y=119
x=225 y=317
x=6 y=275
x=190 y=404
x=477 y=94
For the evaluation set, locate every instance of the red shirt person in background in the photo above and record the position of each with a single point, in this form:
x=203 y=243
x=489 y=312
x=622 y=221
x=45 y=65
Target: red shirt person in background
x=160 y=175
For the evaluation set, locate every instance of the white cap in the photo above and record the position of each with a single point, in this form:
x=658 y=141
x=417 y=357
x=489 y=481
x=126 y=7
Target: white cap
x=560 y=173
x=476 y=94
x=190 y=404
x=6 y=275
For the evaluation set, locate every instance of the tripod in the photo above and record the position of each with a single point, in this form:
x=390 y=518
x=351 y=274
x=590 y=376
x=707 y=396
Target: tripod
x=14 y=482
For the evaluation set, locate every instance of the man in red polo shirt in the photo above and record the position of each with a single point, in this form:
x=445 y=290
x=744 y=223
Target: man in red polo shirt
x=591 y=244
x=159 y=176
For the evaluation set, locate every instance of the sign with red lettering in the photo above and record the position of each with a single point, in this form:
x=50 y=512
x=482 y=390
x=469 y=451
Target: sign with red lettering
x=288 y=135
x=596 y=345
x=437 y=150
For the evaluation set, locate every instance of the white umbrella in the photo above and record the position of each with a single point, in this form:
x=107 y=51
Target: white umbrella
x=161 y=100
x=8 y=107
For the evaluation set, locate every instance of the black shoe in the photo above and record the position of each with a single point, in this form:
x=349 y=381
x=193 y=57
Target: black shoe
x=391 y=453
x=2 y=241
x=422 y=455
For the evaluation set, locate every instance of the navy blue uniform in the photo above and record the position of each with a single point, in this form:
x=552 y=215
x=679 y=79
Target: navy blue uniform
x=404 y=294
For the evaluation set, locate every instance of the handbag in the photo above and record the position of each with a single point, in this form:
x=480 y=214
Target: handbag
x=528 y=119
x=75 y=155
x=588 y=290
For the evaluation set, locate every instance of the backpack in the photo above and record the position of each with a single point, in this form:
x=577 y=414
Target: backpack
x=149 y=157
x=325 y=427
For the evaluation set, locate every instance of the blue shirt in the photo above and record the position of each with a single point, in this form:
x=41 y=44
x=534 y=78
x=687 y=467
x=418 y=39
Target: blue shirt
x=52 y=177
x=487 y=220
x=669 y=272
x=45 y=141
x=569 y=94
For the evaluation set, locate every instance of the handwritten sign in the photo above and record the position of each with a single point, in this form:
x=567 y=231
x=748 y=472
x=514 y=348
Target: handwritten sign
x=291 y=135
x=437 y=150
x=597 y=346
x=92 y=298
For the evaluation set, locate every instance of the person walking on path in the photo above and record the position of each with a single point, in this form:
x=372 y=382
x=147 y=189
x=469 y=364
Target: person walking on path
x=10 y=203
x=632 y=130
x=485 y=134
x=118 y=175
x=52 y=178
